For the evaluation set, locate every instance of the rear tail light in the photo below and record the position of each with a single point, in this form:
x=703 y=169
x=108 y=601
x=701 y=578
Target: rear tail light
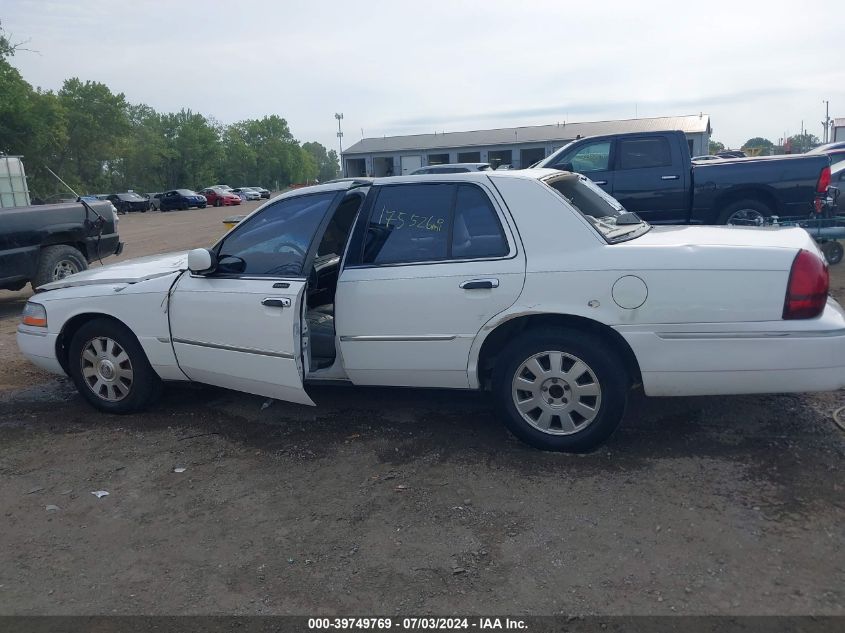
x=824 y=180
x=806 y=292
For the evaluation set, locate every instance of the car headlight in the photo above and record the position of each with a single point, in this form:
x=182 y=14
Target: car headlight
x=34 y=314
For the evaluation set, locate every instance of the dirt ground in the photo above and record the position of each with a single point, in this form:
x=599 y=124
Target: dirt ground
x=400 y=501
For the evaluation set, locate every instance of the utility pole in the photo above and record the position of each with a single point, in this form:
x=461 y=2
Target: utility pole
x=339 y=117
x=826 y=122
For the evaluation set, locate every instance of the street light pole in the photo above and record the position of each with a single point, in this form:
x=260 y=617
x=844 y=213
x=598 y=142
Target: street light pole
x=826 y=121
x=339 y=117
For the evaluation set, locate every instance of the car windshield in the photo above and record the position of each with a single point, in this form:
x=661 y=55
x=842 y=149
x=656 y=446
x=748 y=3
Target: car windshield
x=186 y=192
x=601 y=210
x=129 y=197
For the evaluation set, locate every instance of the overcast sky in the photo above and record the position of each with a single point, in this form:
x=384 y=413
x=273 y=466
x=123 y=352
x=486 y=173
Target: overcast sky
x=758 y=68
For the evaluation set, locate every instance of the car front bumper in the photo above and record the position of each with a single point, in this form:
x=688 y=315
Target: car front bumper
x=742 y=358
x=39 y=347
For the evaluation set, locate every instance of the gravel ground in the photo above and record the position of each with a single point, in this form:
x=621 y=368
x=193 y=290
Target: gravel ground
x=404 y=501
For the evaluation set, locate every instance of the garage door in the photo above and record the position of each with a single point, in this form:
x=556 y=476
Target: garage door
x=410 y=164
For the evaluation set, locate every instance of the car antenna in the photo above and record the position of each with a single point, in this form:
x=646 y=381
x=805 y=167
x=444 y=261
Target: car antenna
x=97 y=224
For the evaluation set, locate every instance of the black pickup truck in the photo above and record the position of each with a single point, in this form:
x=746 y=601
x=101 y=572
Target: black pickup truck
x=651 y=174
x=43 y=243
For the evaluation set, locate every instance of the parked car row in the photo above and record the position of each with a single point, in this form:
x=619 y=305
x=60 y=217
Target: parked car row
x=181 y=199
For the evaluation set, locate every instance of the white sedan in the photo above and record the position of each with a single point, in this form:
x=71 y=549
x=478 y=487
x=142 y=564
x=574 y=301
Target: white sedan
x=533 y=284
x=247 y=193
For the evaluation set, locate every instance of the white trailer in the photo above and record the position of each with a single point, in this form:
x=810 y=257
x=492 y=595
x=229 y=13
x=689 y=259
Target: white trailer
x=13 y=189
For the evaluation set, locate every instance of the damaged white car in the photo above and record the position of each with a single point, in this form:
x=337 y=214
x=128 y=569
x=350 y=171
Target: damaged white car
x=534 y=285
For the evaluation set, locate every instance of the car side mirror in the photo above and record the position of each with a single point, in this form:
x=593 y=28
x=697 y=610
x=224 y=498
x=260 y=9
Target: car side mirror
x=231 y=264
x=564 y=167
x=201 y=261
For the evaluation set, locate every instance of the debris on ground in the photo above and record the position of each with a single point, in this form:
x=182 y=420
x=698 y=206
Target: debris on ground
x=180 y=469
x=100 y=493
x=52 y=508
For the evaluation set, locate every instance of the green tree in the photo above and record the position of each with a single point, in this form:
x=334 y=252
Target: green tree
x=32 y=123
x=144 y=152
x=758 y=142
x=715 y=147
x=240 y=159
x=193 y=151
x=800 y=143
x=327 y=163
x=97 y=127
x=282 y=160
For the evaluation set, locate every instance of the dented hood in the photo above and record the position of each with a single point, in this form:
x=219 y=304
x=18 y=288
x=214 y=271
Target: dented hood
x=128 y=272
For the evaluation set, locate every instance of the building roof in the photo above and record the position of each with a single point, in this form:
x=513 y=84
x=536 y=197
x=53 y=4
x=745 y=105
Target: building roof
x=690 y=124
x=839 y=122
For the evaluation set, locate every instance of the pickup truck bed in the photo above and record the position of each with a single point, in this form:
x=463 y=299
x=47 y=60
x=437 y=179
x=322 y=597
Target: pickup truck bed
x=43 y=243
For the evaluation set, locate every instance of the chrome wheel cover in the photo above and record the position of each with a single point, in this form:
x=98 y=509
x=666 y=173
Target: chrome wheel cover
x=63 y=269
x=106 y=369
x=746 y=217
x=556 y=393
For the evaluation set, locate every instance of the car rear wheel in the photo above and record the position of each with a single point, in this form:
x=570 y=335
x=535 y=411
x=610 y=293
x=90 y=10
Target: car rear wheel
x=560 y=390
x=109 y=368
x=218 y=203
x=58 y=262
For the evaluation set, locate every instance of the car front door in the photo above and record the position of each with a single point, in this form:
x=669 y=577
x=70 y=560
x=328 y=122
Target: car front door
x=239 y=327
x=648 y=178
x=593 y=159
x=427 y=266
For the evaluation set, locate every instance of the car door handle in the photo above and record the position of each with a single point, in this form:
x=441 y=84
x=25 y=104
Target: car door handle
x=480 y=284
x=600 y=182
x=276 y=302
x=668 y=177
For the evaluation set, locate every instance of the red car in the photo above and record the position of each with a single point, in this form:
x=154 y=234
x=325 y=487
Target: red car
x=220 y=197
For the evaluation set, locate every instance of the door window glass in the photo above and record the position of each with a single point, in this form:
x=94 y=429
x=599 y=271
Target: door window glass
x=592 y=157
x=644 y=152
x=477 y=231
x=409 y=223
x=275 y=241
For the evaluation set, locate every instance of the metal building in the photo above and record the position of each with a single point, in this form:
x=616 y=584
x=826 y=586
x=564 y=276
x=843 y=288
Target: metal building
x=515 y=146
x=838 y=131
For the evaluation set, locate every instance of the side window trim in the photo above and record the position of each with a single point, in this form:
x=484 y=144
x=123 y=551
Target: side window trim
x=355 y=249
x=617 y=165
x=312 y=246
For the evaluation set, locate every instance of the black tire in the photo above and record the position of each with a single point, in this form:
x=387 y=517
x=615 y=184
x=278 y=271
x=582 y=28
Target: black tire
x=53 y=258
x=218 y=203
x=748 y=212
x=603 y=363
x=202 y=206
x=832 y=251
x=145 y=385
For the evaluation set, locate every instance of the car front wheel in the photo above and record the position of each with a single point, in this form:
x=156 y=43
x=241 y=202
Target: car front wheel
x=109 y=368
x=560 y=390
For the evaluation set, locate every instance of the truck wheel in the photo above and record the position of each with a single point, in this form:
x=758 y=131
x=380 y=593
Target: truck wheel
x=560 y=390
x=109 y=368
x=57 y=262
x=832 y=251
x=745 y=213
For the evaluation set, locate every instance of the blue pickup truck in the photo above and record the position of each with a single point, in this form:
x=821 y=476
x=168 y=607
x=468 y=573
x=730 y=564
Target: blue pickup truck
x=651 y=174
